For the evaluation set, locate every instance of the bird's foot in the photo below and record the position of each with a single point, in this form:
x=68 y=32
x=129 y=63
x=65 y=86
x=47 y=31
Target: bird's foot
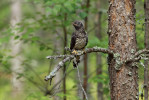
x=74 y=52
x=84 y=52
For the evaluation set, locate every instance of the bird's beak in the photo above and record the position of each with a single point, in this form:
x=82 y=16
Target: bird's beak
x=74 y=24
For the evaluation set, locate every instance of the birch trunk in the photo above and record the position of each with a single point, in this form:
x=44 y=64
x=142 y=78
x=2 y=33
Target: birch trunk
x=16 y=44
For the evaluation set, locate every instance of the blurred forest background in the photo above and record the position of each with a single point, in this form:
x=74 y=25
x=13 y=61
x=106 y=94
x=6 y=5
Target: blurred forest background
x=30 y=30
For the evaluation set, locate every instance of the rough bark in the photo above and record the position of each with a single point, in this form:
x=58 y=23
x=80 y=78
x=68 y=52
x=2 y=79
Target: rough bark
x=98 y=56
x=122 y=41
x=146 y=8
x=16 y=48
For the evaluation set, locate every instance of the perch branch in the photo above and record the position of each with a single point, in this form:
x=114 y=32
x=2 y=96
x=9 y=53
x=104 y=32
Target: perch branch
x=58 y=56
x=97 y=49
x=88 y=50
x=70 y=57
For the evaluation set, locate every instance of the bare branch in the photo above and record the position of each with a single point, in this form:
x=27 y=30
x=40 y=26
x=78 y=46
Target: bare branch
x=88 y=50
x=138 y=56
x=61 y=63
x=67 y=49
x=98 y=49
x=58 y=56
x=144 y=51
x=70 y=57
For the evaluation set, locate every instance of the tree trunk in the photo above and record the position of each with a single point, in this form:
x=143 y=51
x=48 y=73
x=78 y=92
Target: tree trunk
x=16 y=48
x=65 y=45
x=58 y=77
x=98 y=57
x=146 y=8
x=122 y=41
x=85 y=56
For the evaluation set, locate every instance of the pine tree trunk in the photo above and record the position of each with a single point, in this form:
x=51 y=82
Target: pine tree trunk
x=122 y=41
x=16 y=48
x=146 y=8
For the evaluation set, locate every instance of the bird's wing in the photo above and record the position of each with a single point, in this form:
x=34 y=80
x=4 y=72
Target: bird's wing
x=86 y=40
x=73 y=41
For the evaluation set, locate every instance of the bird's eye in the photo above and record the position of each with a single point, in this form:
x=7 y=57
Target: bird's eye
x=79 y=24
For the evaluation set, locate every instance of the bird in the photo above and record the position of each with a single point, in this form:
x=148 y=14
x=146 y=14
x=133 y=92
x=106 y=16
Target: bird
x=79 y=40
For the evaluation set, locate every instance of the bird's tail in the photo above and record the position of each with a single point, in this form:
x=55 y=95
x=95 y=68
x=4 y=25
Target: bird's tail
x=76 y=61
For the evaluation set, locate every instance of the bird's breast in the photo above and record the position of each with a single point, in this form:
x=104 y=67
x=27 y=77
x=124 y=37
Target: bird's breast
x=80 y=43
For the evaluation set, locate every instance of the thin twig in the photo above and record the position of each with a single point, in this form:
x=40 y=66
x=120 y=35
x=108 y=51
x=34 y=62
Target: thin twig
x=81 y=84
x=67 y=49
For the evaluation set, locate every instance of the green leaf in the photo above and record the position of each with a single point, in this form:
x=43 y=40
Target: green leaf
x=16 y=37
x=42 y=48
x=49 y=3
x=48 y=9
x=83 y=15
x=57 y=7
x=25 y=36
x=35 y=38
x=19 y=75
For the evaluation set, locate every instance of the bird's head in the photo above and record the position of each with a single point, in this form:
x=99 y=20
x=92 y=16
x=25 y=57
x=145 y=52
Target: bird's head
x=78 y=25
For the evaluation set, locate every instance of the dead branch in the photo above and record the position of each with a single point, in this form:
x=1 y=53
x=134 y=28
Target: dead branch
x=88 y=50
x=58 y=56
x=70 y=57
x=98 y=49
x=138 y=56
x=60 y=64
x=81 y=84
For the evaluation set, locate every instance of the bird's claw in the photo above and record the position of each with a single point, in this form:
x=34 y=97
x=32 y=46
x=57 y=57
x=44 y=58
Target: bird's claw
x=75 y=52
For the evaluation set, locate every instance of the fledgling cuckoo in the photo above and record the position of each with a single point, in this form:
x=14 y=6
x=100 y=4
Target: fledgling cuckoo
x=79 y=40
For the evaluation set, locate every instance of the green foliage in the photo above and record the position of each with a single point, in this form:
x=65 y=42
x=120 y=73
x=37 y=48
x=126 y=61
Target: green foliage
x=94 y=41
x=83 y=15
x=41 y=34
x=36 y=96
x=4 y=61
x=103 y=79
x=140 y=26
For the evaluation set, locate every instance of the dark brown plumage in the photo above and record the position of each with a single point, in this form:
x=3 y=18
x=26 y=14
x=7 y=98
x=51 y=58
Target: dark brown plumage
x=79 y=40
